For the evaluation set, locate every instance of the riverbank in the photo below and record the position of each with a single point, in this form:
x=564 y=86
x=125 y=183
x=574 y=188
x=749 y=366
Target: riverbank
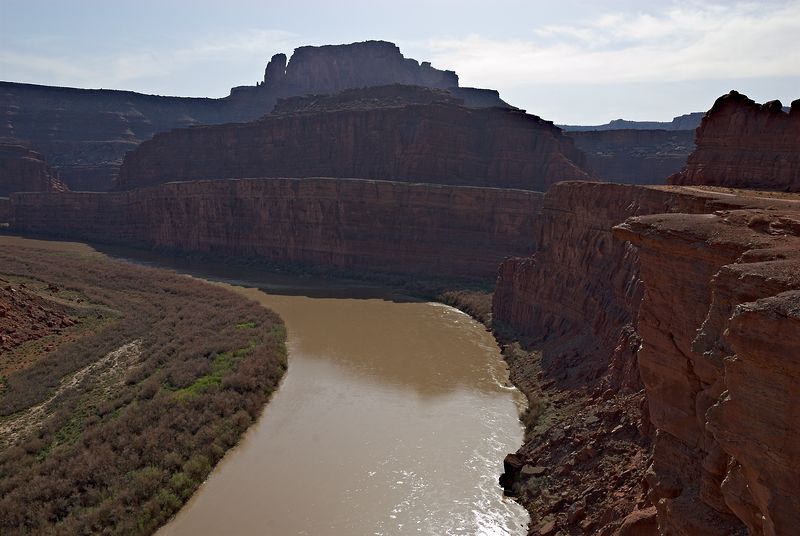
x=126 y=388
x=585 y=452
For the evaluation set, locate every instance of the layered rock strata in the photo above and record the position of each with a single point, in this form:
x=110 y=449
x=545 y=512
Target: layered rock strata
x=741 y=144
x=362 y=225
x=23 y=170
x=720 y=328
x=440 y=142
x=84 y=133
x=687 y=302
x=635 y=156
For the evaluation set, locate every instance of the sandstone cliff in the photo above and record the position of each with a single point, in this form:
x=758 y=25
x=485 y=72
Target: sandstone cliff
x=611 y=316
x=22 y=170
x=84 y=133
x=742 y=144
x=430 y=230
x=719 y=324
x=634 y=156
x=440 y=142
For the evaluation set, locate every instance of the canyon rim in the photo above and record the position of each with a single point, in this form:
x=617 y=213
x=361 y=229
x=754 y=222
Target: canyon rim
x=182 y=277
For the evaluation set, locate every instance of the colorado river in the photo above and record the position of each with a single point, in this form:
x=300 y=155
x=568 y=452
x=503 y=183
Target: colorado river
x=393 y=419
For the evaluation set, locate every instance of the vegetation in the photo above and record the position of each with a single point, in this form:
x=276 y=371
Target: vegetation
x=111 y=431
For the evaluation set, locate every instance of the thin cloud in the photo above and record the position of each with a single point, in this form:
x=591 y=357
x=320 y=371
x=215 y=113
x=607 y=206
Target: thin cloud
x=116 y=69
x=685 y=42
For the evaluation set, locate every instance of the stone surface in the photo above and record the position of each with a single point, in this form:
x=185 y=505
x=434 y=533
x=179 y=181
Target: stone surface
x=719 y=324
x=742 y=144
x=84 y=133
x=378 y=226
x=688 y=121
x=439 y=142
x=640 y=523
x=23 y=170
x=687 y=299
x=634 y=156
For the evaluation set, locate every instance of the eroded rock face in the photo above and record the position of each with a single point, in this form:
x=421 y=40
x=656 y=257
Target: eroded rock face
x=84 y=133
x=691 y=299
x=742 y=144
x=579 y=293
x=23 y=170
x=333 y=68
x=441 y=142
x=634 y=156
x=430 y=230
x=719 y=324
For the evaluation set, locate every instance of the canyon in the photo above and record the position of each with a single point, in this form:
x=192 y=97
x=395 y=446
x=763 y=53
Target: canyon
x=397 y=133
x=436 y=231
x=634 y=156
x=84 y=133
x=742 y=144
x=23 y=170
x=653 y=328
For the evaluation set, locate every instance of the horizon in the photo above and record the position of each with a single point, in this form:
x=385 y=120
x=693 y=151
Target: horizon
x=578 y=63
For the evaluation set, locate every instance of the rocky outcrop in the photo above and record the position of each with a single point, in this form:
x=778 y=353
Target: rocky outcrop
x=84 y=133
x=333 y=68
x=440 y=142
x=361 y=225
x=719 y=324
x=5 y=210
x=579 y=293
x=22 y=170
x=634 y=156
x=687 y=303
x=682 y=122
x=742 y=144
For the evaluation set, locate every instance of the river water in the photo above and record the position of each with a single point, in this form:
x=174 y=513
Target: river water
x=393 y=419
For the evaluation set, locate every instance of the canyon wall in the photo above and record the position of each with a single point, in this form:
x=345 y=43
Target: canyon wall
x=719 y=324
x=5 y=210
x=440 y=142
x=634 y=156
x=84 y=133
x=23 y=170
x=363 y=225
x=741 y=144
x=579 y=292
x=693 y=298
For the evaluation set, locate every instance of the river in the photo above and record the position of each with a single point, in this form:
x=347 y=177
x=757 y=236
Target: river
x=393 y=419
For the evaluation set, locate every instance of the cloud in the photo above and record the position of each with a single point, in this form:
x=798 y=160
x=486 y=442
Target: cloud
x=115 y=68
x=242 y=47
x=685 y=41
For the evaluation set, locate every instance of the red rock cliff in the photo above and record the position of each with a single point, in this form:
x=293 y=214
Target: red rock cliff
x=689 y=305
x=84 y=133
x=431 y=230
x=634 y=156
x=720 y=329
x=22 y=170
x=742 y=144
x=440 y=143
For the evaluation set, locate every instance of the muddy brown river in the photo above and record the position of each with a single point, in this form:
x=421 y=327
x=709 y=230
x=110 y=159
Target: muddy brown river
x=393 y=419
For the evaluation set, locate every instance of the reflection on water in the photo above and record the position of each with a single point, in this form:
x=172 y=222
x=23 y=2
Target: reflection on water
x=393 y=419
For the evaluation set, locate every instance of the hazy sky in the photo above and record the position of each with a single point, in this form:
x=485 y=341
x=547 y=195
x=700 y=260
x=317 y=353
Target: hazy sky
x=565 y=60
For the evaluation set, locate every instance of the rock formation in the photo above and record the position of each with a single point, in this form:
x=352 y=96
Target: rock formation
x=436 y=141
x=333 y=68
x=430 y=230
x=683 y=122
x=85 y=133
x=719 y=323
x=634 y=156
x=22 y=170
x=686 y=302
x=742 y=144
